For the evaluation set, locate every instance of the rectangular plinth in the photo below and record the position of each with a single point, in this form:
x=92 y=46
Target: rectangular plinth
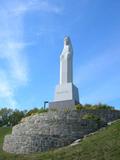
x=66 y=92
x=62 y=105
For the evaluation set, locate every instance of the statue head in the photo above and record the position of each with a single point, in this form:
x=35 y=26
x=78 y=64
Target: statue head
x=66 y=40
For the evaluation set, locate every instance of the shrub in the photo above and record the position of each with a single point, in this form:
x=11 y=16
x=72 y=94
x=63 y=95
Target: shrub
x=35 y=111
x=42 y=110
x=91 y=117
x=98 y=106
x=79 y=107
x=103 y=106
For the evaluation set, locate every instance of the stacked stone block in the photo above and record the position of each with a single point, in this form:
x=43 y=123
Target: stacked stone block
x=45 y=131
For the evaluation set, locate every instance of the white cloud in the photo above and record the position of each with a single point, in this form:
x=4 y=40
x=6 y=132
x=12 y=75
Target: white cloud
x=18 y=68
x=15 y=70
x=12 y=55
x=6 y=90
x=47 y=7
x=36 y=5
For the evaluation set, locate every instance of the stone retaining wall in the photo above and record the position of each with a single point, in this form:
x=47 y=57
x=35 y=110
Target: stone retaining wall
x=49 y=130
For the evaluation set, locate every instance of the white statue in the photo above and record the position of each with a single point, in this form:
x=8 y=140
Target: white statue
x=66 y=65
x=66 y=93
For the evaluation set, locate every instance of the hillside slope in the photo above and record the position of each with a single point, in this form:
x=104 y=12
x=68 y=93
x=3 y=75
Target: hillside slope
x=104 y=145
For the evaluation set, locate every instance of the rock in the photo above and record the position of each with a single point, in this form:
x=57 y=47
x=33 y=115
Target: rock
x=42 y=132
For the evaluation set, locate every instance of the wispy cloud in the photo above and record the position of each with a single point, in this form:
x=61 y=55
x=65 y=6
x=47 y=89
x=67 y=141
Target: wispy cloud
x=6 y=91
x=14 y=72
x=12 y=55
x=36 y=5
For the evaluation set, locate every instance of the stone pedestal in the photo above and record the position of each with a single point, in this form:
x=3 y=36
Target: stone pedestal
x=66 y=96
x=66 y=91
x=62 y=105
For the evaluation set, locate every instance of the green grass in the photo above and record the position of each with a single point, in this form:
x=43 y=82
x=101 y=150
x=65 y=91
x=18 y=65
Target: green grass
x=104 y=145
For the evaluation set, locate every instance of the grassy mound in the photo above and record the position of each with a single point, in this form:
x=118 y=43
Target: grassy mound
x=104 y=145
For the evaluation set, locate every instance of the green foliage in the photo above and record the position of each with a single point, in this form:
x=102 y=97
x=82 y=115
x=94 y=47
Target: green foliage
x=78 y=107
x=3 y=132
x=103 y=106
x=15 y=117
x=35 y=111
x=10 y=117
x=104 y=145
x=5 y=113
x=91 y=117
x=99 y=106
x=42 y=110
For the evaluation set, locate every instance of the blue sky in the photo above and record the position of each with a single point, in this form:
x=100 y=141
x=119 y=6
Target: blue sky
x=31 y=40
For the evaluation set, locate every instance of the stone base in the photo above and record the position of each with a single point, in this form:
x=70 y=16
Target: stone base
x=66 y=92
x=61 y=105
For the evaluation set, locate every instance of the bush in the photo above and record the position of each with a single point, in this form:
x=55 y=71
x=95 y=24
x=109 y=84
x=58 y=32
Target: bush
x=91 y=117
x=35 y=111
x=99 y=106
x=79 y=107
x=103 y=106
x=16 y=117
x=42 y=110
x=10 y=117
